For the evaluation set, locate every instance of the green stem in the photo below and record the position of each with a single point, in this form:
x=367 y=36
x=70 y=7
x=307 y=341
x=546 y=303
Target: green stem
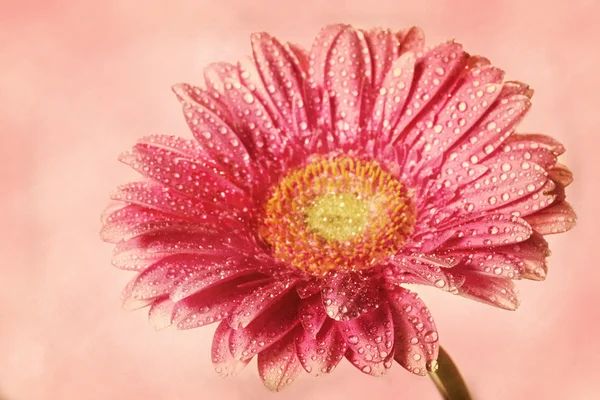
x=448 y=380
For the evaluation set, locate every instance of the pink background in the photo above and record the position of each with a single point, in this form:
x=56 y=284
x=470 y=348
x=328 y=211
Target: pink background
x=81 y=81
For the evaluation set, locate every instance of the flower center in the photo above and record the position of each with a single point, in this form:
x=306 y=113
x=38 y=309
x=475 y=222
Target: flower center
x=338 y=213
x=337 y=216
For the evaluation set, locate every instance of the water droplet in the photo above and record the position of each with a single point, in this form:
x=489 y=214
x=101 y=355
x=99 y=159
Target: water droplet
x=431 y=337
x=249 y=98
x=432 y=365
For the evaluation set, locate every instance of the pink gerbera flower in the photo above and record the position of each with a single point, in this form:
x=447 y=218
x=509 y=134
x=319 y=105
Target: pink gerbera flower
x=319 y=183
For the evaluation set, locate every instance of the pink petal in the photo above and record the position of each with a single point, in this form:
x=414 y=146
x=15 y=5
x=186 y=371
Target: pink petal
x=561 y=174
x=422 y=269
x=307 y=288
x=391 y=97
x=557 y=218
x=278 y=366
x=376 y=369
x=490 y=230
x=142 y=251
x=258 y=301
x=312 y=314
x=533 y=201
x=490 y=263
x=532 y=254
x=499 y=292
x=416 y=337
x=539 y=149
x=282 y=77
x=384 y=48
x=449 y=118
x=210 y=123
x=129 y=221
x=474 y=96
x=349 y=295
x=319 y=55
x=130 y=303
x=490 y=132
x=412 y=40
x=212 y=304
x=268 y=328
x=321 y=354
x=224 y=363
x=159 y=198
x=514 y=87
x=160 y=313
x=185 y=175
x=371 y=335
x=508 y=179
x=437 y=67
x=179 y=276
x=252 y=116
x=345 y=78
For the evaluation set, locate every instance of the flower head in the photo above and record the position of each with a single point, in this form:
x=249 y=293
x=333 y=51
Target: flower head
x=319 y=184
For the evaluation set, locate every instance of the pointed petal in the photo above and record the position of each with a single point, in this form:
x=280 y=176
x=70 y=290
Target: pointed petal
x=422 y=269
x=557 y=218
x=224 y=363
x=312 y=314
x=129 y=303
x=349 y=295
x=435 y=71
x=210 y=123
x=489 y=230
x=160 y=313
x=278 y=366
x=268 y=328
x=179 y=276
x=144 y=250
x=282 y=77
x=508 y=179
x=474 y=96
x=384 y=48
x=534 y=201
x=212 y=304
x=539 y=149
x=532 y=254
x=416 y=337
x=499 y=292
x=392 y=95
x=375 y=369
x=307 y=288
x=347 y=74
x=159 y=198
x=187 y=176
x=490 y=132
x=489 y=263
x=252 y=115
x=259 y=301
x=561 y=174
x=321 y=354
x=514 y=87
x=371 y=335
x=412 y=40
x=130 y=220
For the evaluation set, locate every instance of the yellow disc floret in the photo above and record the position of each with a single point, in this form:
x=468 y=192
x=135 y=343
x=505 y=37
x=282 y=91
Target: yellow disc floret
x=337 y=214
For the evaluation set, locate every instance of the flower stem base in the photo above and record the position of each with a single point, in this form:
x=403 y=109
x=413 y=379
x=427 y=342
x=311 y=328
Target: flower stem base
x=448 y=379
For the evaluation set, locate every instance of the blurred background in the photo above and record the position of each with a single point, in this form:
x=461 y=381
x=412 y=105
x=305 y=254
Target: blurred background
x=80 y=81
